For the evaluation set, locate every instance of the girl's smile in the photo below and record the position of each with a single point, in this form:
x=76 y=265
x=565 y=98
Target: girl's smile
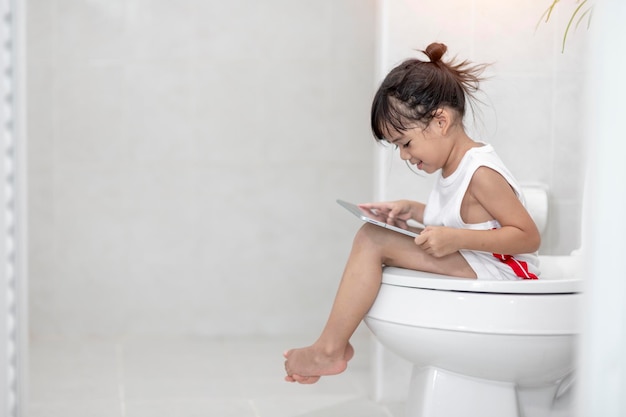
x=416 y=148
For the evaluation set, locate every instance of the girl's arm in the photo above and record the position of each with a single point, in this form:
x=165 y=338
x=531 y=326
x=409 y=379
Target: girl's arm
x=518 y=232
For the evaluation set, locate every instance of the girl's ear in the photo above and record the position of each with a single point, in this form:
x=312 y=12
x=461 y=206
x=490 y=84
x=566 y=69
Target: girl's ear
x=442 y=120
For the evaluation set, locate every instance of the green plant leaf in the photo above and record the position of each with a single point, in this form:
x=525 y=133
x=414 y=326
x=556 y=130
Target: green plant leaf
x=578 y=15
x=547 y=13
x=569 y=24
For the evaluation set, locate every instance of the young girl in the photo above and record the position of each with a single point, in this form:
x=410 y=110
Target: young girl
x=476 y=224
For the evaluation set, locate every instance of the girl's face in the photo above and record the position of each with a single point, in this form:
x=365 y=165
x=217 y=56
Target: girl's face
x=420 y=146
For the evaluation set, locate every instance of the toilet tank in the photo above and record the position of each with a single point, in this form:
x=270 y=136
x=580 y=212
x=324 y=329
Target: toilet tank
x=536 y=197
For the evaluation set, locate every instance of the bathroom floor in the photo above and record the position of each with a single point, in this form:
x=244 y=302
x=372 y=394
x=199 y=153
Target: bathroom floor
x=192 y=377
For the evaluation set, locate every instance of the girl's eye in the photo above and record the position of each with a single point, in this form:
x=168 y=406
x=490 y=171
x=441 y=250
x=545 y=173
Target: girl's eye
x=406 y=145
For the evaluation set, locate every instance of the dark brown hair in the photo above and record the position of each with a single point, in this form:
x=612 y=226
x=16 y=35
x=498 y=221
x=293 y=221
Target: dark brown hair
x=413 y=91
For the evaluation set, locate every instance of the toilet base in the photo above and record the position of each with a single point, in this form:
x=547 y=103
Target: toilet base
x=437 y=393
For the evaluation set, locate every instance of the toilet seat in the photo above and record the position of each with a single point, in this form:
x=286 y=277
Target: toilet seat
x=558 y=277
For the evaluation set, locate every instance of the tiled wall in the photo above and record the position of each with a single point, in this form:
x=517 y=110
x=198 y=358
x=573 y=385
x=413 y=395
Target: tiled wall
x=184 y=161
x=184 y=157
x=533 y=102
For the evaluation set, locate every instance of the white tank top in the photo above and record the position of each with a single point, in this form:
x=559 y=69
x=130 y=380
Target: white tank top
x=444 y=209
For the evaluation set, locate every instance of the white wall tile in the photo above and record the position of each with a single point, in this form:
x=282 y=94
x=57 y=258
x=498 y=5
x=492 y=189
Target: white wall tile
x=186 y=158
x=92 y=31
x=89 y=112
x=160 y=30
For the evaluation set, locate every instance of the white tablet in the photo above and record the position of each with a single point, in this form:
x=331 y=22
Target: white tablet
x=370 y=218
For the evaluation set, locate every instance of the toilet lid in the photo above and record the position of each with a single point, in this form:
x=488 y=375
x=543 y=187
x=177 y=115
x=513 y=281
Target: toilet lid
x=419 y=279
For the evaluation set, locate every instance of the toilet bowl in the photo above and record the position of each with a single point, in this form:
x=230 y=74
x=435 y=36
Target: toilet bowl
x=481 y=347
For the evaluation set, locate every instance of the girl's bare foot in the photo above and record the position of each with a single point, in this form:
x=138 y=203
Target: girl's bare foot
x=307 y=365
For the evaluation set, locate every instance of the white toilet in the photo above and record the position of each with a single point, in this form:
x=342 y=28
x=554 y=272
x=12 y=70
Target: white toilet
x=483 y=348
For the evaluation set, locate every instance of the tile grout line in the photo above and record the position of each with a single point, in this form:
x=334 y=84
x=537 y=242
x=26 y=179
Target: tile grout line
x=119 y=359
x=254 y=409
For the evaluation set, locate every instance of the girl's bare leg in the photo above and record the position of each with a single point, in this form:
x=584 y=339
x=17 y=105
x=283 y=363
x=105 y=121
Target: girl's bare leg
x=373 y=246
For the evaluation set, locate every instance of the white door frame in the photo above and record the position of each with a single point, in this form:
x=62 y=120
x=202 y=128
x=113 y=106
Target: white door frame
x=13 y=282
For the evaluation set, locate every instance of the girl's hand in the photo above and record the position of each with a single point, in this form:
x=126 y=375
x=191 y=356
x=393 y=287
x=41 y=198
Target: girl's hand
x=438 y=241
x=395 y=213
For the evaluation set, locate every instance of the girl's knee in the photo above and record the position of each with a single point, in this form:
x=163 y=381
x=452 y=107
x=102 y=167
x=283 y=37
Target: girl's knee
x=369 y=235
x=385 y=244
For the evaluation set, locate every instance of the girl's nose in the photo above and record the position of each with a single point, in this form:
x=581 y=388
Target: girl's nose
x=404 y=154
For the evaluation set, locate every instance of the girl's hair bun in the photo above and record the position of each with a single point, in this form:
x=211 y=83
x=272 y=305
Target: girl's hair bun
x=435 y=51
